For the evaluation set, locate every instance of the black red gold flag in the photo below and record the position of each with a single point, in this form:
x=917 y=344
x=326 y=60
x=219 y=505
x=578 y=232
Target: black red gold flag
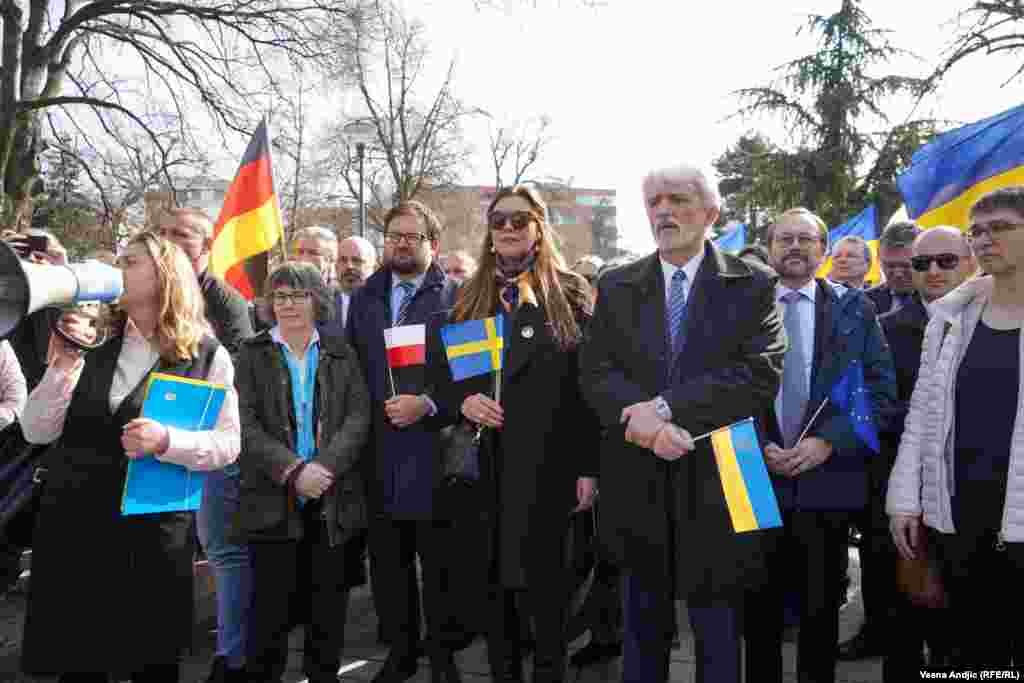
x=250 y=223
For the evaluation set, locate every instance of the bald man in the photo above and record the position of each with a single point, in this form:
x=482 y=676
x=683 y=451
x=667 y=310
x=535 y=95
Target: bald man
x=357 y=260
x=941 y=260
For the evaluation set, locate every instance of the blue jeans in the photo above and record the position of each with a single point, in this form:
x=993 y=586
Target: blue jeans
x=231 y=567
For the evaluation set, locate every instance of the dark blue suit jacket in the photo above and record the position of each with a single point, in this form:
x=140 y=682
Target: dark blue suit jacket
x=846 y=329
x=402 y=464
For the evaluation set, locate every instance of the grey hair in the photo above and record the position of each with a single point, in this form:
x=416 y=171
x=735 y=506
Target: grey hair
x=364 y=246
x=858 y=240
x=314 y=232
x=899 y=235
x=298 y=275
x=690 y=175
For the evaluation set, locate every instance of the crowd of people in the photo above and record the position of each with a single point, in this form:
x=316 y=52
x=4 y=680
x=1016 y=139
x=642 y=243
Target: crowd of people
x=323 y=455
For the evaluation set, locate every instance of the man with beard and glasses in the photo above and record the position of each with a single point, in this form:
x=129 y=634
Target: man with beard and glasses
x=818 y=464
x=357 y=259
x=683 y=342
x=404 y=445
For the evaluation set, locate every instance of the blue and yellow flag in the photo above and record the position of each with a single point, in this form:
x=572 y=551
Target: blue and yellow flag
x=748 y=488
x=733 y=239
x=947 y=175
x=474 y=347
x=862 y=225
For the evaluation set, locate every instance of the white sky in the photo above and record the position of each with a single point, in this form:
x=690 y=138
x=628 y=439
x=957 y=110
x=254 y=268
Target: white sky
x=639 y=83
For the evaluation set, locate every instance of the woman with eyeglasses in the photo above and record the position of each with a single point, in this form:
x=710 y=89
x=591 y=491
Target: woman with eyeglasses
x=957 y=486
x=111 y=595
x=539 y=451
x=305 y=415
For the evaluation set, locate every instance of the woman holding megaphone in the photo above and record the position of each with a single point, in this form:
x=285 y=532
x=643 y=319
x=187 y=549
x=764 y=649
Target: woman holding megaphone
x=111 y=595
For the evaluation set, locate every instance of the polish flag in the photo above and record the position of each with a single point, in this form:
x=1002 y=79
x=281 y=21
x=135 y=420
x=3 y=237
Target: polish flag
x=406 y=345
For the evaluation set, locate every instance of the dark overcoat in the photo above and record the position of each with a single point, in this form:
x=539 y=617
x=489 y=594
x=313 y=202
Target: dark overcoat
x=109 y=593
x=529 y=468
x=663 y=518
x=400 y=465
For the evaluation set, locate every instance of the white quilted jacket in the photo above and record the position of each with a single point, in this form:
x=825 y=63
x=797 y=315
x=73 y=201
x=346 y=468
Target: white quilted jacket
x=921 y=478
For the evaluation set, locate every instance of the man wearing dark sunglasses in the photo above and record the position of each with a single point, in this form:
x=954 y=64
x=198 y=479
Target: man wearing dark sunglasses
x=940 y=261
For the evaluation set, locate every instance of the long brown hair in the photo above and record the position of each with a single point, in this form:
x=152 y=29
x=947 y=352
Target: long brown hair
x=181 y=313
x=560 y=292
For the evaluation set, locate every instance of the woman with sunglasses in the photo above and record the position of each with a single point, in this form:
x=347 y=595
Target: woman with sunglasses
x=306 y=414
x=532 y=482
x=111 y=595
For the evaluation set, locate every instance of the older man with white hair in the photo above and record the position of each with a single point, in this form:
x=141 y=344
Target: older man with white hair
x=317 y=246
x=683 y=342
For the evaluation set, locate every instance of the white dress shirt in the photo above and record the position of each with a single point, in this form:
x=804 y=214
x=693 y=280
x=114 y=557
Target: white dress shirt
x=690 y=268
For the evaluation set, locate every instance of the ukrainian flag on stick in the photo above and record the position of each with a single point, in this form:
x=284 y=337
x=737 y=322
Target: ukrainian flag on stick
x=748 y=489
x=947 y=175
x=249 y=224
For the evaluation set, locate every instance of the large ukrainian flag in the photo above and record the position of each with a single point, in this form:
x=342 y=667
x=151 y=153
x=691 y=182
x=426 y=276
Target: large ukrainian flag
x=249 y=224
x=862 y=225
x=947 y=175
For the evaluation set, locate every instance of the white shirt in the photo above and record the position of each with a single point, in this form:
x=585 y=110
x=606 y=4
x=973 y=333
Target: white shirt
x=807 y=316
x=690 y=268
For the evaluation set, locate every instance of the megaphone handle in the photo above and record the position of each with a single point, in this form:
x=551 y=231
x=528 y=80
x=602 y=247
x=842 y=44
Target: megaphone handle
x=77 y=343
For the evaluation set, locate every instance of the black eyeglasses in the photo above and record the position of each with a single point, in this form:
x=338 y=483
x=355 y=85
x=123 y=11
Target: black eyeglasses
x=411 y=238
x=284 y=298
x=496 y=220
x=993 y=229
x=805 y=241
x=945 y=261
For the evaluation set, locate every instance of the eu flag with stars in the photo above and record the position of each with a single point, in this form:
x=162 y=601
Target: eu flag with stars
x=851 y=397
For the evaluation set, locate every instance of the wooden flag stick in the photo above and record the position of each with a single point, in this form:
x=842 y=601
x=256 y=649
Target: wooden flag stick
x=497 y=386
x=391 y=378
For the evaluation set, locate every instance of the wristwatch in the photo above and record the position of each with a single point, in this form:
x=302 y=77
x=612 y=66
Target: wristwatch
x=662 y=408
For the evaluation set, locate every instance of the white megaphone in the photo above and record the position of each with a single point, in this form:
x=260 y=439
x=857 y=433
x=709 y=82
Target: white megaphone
x=26 y=287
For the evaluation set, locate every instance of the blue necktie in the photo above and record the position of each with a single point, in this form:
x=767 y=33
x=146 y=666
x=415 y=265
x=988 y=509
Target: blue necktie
x=677 y=311
x=794 y=373
x=407 y=291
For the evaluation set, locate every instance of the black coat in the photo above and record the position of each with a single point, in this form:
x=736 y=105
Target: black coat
x=904 y=330
x=528 y=469
x=227 y=312
x=659 y=516
x=401 y=465
x=109 y=593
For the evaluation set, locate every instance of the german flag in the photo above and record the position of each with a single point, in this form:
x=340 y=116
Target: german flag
x=249 y=224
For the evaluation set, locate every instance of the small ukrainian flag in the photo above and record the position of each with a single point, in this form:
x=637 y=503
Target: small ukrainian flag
x=748 y=488
x=474 y=347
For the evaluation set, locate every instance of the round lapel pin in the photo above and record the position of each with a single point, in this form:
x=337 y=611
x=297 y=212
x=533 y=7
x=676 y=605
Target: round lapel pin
x=527 y=332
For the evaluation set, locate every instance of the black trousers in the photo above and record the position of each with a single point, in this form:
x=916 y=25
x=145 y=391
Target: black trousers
x=298 y=583
x=985 y=600
x=394 y=546
x=547 y=609
x=168 y=673
x=809 y=546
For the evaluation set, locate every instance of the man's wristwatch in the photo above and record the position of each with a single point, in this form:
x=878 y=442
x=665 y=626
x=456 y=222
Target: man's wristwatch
x=662 y=408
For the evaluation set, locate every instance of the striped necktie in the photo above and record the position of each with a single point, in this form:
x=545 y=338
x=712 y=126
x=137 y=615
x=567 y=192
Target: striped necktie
x=677 y=311
x=408 y=289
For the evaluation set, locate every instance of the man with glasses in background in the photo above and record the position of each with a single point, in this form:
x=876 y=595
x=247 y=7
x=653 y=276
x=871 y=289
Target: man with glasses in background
x=404 y=445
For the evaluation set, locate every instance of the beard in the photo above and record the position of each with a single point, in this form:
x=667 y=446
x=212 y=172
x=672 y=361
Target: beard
x=794 y=265
x=407 y=264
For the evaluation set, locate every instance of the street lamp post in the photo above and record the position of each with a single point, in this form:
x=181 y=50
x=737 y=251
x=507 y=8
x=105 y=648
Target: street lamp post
x=361 y=133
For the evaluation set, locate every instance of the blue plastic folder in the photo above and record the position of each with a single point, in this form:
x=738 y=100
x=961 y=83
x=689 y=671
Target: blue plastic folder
x=152 y=486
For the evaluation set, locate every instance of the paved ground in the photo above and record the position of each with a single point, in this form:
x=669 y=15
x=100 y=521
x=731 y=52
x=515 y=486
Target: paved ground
x=363 y=657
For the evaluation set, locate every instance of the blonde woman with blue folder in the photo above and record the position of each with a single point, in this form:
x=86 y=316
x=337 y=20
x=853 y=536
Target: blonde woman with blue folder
x=127 y=613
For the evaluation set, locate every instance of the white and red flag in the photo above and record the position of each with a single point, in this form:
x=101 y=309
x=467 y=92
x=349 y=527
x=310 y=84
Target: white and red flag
x=406 y=345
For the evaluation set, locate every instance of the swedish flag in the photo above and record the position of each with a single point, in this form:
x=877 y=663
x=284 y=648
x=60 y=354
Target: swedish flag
x=474 y=347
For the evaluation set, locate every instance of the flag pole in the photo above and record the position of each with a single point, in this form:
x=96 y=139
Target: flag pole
x=720 y=429
x=391 y=378
x=497 y=386
x=811 y=421
x=281 y=242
